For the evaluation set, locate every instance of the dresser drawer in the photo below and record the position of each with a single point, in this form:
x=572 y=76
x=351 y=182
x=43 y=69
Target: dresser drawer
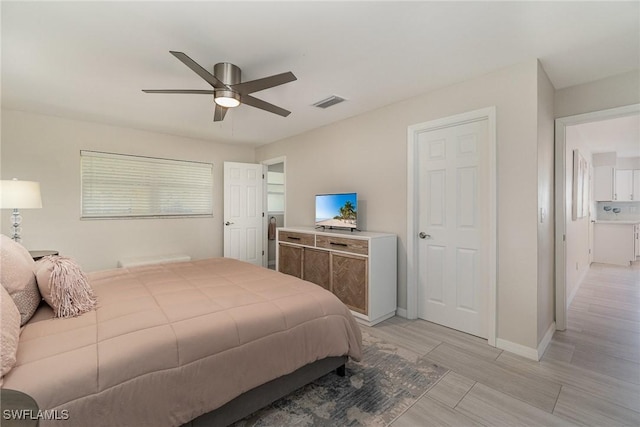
x=344 y=244
x=297 y=238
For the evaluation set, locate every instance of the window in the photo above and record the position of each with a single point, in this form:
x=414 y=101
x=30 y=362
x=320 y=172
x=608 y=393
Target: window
x=123 y=186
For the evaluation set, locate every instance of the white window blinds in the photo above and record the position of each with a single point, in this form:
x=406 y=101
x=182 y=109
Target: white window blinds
x=117 y=186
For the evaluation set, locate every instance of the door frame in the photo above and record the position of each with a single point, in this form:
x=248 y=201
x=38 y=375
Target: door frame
x=413 y=131
x=560 y=203
x=265 y=206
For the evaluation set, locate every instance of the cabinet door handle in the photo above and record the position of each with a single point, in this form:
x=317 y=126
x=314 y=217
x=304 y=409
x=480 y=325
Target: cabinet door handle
x=293 y=238
x=338 y=244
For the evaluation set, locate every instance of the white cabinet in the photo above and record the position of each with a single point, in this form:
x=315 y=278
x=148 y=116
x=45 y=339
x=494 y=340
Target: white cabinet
x=611 y=184
x=603 y=183
x=614 y=242
x=360 y=268
x=624 y=185
x=637 y=240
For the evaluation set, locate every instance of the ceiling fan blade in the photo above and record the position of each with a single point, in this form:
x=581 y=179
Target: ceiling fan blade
x=219 y=113
x=263 y=105
x=251 y=86
x=195 y=67
x=201 y=92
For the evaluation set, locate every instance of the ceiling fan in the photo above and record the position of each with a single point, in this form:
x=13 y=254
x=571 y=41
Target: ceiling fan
x=228 y=89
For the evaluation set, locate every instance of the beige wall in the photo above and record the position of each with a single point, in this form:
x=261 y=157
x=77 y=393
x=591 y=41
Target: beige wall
x=611 y=92
x=47 y=149
x=546 y=238
x=368 y=154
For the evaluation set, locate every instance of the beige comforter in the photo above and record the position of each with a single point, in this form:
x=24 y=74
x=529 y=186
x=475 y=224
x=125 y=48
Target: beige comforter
x=171 y=342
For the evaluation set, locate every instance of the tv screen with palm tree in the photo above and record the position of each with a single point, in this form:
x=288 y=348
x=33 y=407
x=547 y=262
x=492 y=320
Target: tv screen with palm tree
x=337 y=210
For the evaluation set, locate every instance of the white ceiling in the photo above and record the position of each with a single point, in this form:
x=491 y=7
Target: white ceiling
x=90 y=60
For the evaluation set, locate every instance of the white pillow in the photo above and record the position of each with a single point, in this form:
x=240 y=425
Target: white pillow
x=10 y=334
x=17 y=275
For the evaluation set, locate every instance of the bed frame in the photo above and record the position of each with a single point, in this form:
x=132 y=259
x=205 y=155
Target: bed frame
x=261 y=396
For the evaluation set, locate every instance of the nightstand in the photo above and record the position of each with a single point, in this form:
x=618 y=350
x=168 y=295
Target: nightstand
x=36 y=255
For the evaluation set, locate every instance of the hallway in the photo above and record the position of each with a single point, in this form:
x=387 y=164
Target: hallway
x=603 y=331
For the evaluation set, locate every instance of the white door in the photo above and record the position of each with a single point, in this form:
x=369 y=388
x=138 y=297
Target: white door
x=453 y=221
x=243 y=183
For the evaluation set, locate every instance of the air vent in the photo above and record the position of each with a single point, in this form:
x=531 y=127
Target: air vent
x=328 y=102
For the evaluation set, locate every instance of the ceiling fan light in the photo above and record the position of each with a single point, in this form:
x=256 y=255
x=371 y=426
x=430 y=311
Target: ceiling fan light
x=226 y=98
x=226 y=102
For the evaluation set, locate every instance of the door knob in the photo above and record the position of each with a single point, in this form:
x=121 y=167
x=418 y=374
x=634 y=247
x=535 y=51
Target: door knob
x=228 y=223
x=424 y=235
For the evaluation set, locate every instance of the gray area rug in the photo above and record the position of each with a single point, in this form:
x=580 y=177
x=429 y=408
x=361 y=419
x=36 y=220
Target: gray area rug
x=374 y=392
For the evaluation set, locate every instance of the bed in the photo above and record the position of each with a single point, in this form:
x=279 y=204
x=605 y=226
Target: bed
x=198 y=342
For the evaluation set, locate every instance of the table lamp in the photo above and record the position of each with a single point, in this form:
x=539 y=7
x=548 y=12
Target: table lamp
x=16 y=195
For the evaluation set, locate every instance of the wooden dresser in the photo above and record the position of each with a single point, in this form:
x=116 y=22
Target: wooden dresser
x=359 y=267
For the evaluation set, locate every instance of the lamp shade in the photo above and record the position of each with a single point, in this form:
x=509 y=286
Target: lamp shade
x=16 y=194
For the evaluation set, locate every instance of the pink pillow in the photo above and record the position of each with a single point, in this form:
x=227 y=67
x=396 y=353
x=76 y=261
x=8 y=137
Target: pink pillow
x=10 y=334
x=64 y=286
x=18 y=278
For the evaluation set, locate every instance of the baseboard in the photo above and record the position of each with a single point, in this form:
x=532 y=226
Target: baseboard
x=401 y=312
x=546 y=340
x=519 y=349
x=528 y=352
x=575 y=290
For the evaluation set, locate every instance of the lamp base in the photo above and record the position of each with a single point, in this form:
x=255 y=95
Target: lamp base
x=16 y=229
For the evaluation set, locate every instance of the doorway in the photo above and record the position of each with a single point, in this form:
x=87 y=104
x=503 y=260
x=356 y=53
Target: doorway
x=451 y=242
x=567 y=280
x=275 y=205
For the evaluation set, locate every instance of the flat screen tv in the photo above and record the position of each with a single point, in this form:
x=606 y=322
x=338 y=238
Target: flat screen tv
x=337 y=210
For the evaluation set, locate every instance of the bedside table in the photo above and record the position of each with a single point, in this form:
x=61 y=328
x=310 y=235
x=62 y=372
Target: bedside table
x=36 y=255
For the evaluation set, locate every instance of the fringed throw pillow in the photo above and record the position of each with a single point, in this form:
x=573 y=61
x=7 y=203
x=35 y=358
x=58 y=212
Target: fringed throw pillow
x=64 y=286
